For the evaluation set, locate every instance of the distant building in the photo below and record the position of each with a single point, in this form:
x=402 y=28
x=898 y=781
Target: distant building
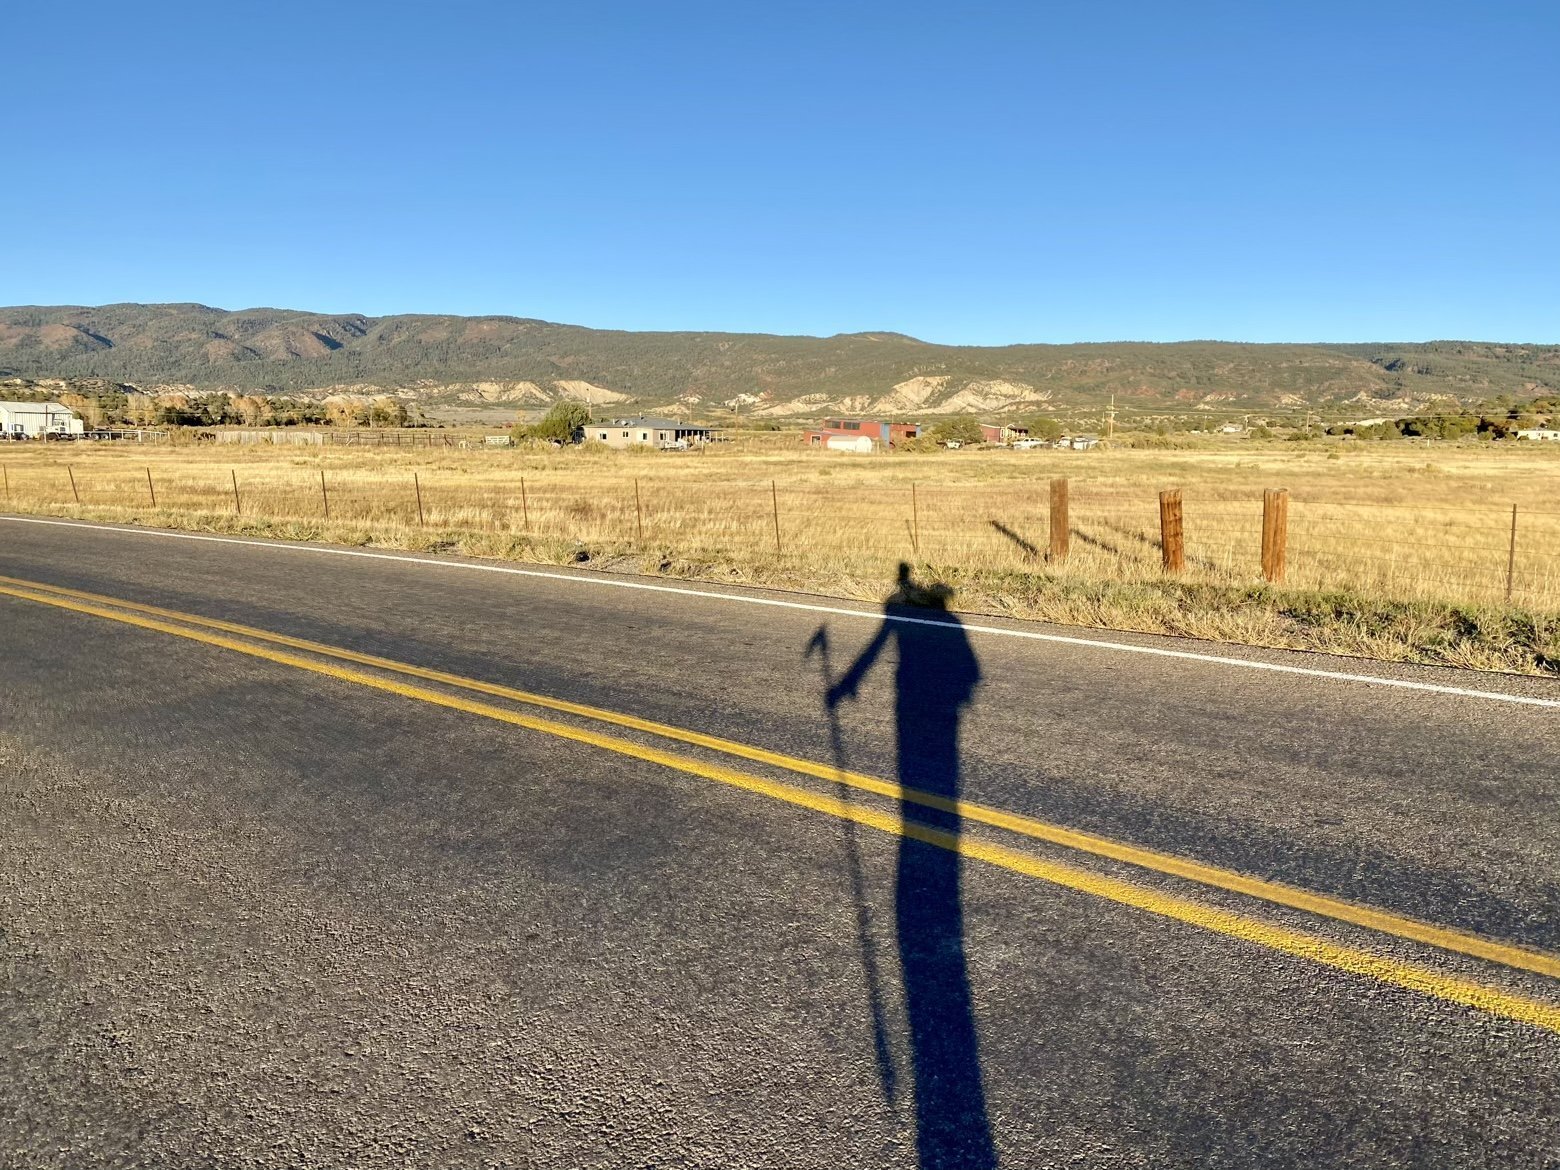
x=861 y=444
x=39 y=420
x=859 y=434
x=1077 y=442
x=664 y=434
x=1540 y=434
x=1004 y=433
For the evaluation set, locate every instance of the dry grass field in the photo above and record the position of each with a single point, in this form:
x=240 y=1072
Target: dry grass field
x=1399 y=550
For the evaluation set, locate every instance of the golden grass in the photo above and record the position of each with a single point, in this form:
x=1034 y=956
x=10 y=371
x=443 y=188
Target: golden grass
x=1382 y=523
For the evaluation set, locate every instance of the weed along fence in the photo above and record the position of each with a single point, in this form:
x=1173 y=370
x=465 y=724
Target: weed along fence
x=1073 y=528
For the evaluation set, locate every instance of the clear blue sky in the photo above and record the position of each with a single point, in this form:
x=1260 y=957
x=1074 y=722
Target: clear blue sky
x=979 y=173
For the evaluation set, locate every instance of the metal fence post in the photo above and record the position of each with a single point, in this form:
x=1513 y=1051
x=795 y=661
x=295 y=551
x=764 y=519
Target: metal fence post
x=238 y=509
x=417 y=487
x=151 y=488
x=73 y=490
x=1511 y=556
x=774 y=497
x=324 y=498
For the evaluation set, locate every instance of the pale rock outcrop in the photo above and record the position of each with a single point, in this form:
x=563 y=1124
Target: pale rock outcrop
x=806 y=404
x=503 y=392
x=990 y=397
x=585 y=392
x=911 y=394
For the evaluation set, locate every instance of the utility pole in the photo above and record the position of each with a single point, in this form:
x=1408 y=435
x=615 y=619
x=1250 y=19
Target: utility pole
x=1110 y=420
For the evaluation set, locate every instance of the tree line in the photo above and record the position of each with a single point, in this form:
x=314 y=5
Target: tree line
x=126 y=407
x=1493 y=421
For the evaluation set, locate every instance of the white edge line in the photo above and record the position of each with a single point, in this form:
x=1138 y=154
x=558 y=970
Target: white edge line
x=874 y=615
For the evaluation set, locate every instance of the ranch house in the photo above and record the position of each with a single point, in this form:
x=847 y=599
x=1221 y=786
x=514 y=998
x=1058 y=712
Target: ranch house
x=664 y=434
x=1003 y=433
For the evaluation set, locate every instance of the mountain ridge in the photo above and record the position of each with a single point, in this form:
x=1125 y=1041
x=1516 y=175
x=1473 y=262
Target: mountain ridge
x=492 y=358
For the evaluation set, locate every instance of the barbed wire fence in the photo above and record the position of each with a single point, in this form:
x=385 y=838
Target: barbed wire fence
x=1474 y=553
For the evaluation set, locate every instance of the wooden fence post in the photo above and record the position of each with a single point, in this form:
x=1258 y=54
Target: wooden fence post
x=639 y=515
x=324 y=498
x=417 y=487
x=151 y=489
x=1511 y=556
x=525 y=505
x=774 y=496
x=238 y=509
x=1275 y=533
x=73 y=490
x=1171 y=534
x=1061 y=525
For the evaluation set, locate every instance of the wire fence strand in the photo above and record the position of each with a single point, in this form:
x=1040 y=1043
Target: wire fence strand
x=1399 y=550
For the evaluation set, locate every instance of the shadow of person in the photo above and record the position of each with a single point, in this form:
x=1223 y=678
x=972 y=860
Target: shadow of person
x=936 y=676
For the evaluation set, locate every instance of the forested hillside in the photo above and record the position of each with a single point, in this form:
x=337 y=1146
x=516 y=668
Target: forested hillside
x=510 y=359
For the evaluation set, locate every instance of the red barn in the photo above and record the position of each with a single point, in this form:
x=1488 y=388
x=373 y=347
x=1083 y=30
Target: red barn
x=845 y=429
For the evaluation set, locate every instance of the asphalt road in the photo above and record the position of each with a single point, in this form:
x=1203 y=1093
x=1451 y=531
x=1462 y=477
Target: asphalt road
x=261 y=908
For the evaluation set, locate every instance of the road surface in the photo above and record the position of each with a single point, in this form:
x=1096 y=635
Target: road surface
x=311 y=858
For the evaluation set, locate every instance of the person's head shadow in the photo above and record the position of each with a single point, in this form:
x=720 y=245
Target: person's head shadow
x=935 y=677
x=911 y=594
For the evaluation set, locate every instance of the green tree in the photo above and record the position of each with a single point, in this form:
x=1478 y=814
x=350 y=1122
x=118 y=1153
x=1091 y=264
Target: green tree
x=562 y=424
x=963 y=430
x=1044 y=427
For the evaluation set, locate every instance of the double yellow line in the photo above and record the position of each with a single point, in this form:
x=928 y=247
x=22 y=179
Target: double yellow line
x=214 y=632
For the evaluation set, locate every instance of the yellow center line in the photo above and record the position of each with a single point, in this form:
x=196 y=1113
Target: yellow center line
x=1413 y=977
x=1278 y=893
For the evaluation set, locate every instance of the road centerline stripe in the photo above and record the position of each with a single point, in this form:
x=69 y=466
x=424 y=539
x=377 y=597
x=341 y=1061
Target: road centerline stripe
x=1372 y=918
x=1385 y=969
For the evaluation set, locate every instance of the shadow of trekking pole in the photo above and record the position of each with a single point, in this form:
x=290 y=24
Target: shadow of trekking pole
x=869 y=961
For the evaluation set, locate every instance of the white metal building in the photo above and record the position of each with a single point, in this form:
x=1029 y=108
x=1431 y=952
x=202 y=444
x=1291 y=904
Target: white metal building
x=37 y=420
x=1541 y=434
